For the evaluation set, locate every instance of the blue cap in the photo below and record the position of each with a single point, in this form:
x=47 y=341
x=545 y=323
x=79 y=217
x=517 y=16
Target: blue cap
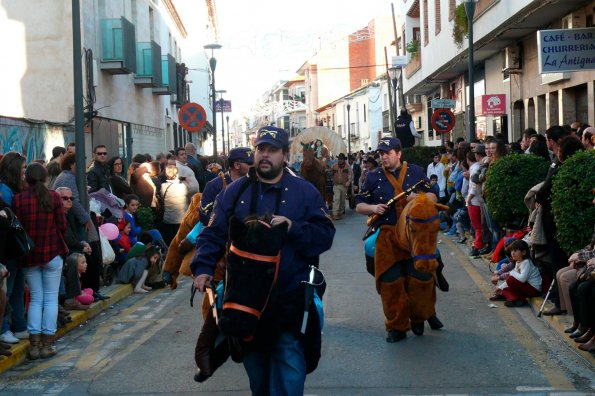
x=243 y=154
x=276 y=137
x=388 y=144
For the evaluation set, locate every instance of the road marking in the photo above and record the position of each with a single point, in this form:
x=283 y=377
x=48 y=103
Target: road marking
x=41 y=366
x=88 y=356
x=536 y=351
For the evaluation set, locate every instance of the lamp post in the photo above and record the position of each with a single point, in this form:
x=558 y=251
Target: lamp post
x=221 y=103
x=395 y=74
x=470 y=11
x=213 y=65
x=348 y=129
x=228 y=140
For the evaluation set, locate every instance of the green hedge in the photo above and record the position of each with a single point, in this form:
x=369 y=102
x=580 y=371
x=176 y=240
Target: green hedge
x=508 y=181
x=419 y=155
x=572 y=201
x=145 y=218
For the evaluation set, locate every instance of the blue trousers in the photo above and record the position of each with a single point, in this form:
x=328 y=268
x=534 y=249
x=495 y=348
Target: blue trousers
x=282 y=371
x=44 y=283
x=15 y=294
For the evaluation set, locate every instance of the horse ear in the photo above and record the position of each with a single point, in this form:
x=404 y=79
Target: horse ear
x=440 y=206
x=236 y=228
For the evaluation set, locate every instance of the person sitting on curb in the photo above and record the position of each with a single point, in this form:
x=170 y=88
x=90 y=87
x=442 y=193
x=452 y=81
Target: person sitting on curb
x=77 y=298
x=135 y=270
x=524 y=280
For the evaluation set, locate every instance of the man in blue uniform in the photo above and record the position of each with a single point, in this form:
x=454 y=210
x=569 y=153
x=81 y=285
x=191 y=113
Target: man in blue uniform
x=240 y=160
x=379 y=187
x=278 y=365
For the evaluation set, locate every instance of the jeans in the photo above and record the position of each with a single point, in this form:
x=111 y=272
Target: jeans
x=44 y=282
x=16 y=299
x=281 y=371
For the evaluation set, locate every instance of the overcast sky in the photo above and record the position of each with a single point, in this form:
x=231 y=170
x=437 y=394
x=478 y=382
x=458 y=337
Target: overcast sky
x=265 y=41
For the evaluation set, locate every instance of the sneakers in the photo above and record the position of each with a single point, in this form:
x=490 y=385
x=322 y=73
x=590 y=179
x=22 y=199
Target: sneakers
x=8 y=338
x=485 y=251
x=474 y=253
x=451 y=232
x=22 y=335
x=462 y=240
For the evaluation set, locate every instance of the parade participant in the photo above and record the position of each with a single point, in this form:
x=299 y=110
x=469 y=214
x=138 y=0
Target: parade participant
x=405 y=130
x=275 y=364
x=240 y=159
x=342 y=179
x=379 y=187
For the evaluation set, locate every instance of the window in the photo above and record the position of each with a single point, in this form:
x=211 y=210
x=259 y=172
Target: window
x=364 y=112
x=426 y=36
x=452 y=7
x=364 y=81
x=437 y=15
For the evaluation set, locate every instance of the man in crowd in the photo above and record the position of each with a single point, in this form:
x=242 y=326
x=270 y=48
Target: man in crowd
x=390 y=270
x=342 y=179
x=194 y=164
x=276 y=365
x=185 y=174
x=97 y=175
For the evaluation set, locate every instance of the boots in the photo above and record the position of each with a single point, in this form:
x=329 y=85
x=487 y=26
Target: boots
x=588 y=346
x=34 y=346
x=5 y=349
x=48 y=346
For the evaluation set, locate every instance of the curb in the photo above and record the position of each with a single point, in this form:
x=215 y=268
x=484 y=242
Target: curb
x=116 y=293
x=557 y=323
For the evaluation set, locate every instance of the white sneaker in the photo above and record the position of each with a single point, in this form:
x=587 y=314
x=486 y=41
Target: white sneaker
x=22 y=335
x=8 y=338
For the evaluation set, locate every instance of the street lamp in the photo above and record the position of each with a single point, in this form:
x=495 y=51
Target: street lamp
x=348 y=129
x=221 y=103
x=228 y=140
x=213 y=65
x=394 y=74
x=470 y=11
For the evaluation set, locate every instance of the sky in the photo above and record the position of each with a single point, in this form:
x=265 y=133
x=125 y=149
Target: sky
x=265 y=41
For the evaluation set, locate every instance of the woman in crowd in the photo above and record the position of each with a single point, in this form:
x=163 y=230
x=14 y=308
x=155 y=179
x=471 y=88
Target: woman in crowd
x=143 y=187
x=12 y=175
x=118 y=183
x=41 y=213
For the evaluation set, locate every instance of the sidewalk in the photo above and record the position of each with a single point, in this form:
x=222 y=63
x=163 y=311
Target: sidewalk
x=556 y=323
x=115 y=292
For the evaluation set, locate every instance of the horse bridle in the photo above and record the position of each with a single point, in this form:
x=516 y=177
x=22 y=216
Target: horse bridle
x=408 y=231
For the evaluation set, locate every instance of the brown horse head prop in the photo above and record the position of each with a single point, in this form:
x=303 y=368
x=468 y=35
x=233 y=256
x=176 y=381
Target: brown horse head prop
x=417 y=231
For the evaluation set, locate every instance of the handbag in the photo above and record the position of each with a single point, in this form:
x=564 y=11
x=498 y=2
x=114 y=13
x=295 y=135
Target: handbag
x=18 y=239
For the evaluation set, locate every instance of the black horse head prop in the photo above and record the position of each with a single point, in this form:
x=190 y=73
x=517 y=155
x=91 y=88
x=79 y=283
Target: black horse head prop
x=252 y=270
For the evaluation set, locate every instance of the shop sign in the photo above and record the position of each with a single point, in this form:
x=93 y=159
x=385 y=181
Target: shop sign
x=561 y=50
x=494 y=104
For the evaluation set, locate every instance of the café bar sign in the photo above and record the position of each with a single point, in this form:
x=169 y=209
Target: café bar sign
x=562 y=50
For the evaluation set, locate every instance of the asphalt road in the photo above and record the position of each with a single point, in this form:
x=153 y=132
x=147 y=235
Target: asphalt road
x=145 y=344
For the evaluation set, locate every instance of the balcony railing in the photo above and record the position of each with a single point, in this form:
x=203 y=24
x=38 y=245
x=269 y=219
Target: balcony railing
x=148 y=65
x=117 y=46
x=413 y=66
x=168 y=77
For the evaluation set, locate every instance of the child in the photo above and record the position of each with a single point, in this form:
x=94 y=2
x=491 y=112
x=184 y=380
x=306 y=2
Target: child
x=155 y=272
x=76 y=264
x=434 y=185
x=135 y=270
x=502 y=272
x=124 y=244
x=524 y=280
x=131 y=206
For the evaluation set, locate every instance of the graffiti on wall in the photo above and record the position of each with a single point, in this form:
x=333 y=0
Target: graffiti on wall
x=34 y=140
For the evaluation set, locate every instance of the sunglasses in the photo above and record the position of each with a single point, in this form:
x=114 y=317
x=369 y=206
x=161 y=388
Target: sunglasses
x=102 y=153
x=67 y=198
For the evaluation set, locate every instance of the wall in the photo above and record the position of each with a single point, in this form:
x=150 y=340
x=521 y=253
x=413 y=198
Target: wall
x=36 y=71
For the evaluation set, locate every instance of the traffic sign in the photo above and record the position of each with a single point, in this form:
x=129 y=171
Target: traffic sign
x=226 y=106
x=192 y=117
x=443 y=103
x=443 y=120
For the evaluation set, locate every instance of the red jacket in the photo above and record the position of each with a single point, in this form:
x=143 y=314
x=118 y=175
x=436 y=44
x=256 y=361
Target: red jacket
x=46 y=229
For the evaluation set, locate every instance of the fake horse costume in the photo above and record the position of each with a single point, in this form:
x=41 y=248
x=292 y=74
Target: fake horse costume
x=405 y=265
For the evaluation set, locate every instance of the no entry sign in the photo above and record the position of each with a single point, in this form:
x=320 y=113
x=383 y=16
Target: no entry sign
x=443 y=120
x=192 y=117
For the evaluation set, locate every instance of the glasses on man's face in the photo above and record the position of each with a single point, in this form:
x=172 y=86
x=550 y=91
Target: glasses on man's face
x=101 y=153
x=67 y=198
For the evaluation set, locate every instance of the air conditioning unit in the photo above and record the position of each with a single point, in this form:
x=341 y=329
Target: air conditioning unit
x=512 y=58
x=574 y=20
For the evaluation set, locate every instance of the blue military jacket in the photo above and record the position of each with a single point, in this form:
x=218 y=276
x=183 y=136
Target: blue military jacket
x=377 y=189
x=311 y=233
x=212 y=189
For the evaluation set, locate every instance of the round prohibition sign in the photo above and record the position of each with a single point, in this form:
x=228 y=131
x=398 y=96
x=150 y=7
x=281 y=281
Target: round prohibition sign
x=192 y=117
x=443 y=120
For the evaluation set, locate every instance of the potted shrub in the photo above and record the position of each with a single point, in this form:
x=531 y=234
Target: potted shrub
x=413 y=48
x=460 y=29
x=508 y=181
x=572 y=201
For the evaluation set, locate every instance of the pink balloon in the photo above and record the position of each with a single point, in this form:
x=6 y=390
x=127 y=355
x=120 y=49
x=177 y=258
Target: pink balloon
x=109 y=230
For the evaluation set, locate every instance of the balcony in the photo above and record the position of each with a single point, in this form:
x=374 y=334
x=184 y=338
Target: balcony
x=117 y=49
x=168 y=84
x=413 y=66
x=148 y=65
